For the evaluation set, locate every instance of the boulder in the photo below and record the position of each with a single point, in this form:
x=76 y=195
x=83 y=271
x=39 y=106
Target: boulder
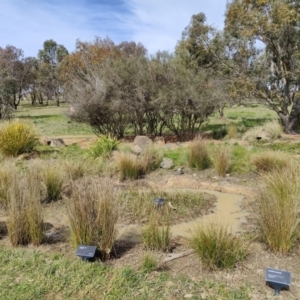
x=142 y=141
x=167 y=163
x=137 y=150
x=56 y=143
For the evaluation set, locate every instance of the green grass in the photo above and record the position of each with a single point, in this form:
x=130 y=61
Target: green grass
x=179 y=156
x=27 y=274
x=217 y=247
x=51 y=120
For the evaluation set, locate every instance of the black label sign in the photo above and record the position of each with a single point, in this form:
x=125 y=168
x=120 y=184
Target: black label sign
x=278 y=276
x=86 y=251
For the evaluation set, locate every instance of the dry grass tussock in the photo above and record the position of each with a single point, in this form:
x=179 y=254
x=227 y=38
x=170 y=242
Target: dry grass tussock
x=222 y=160
x=198 y=155
x=268 y=161
x=93 y=213
x=17 y=137
x=279 y=205
x=25 y=222
x=269 y=131
x=217 y=247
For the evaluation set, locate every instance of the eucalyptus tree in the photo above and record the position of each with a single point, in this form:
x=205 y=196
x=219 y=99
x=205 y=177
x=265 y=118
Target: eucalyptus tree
x=50 y=59
x=273 y=25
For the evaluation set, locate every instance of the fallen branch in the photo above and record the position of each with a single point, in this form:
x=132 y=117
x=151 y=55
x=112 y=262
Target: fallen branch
x=178 y=255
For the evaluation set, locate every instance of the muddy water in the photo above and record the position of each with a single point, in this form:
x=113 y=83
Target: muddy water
x=227 y=211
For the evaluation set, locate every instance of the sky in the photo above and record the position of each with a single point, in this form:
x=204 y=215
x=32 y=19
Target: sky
x=157 y=24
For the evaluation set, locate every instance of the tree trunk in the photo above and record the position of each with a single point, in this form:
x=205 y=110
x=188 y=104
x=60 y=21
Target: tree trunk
x=291 y=121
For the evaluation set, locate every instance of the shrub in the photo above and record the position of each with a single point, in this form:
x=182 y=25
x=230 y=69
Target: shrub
x=156 y=237
x=103 y=146
x=221 y=160
x=17 y=137
x=198 y=155
x=278 y=205
x=53 y=178
x=25 y=222
x=93 y=215
x=268 y=161
x=217 y=247
x=232 y=130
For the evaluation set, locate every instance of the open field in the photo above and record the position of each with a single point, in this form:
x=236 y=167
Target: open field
x=200 y=198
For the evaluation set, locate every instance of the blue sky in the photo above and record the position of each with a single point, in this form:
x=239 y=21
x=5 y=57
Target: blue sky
x=157 y=24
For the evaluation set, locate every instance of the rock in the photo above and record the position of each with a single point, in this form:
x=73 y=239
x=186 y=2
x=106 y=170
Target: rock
x=179 y=171
x=142 y=141
x=56 y=143
x=167 y=163
x=188 y=296
x=137 y=150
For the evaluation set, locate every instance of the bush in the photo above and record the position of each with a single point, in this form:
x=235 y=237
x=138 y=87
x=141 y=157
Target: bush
x=93 y=215
x=268 y=161
x=25 y=223
x=103 y=146
x=222 y=160
x=217 y=247
x=17 y=137
x=278 y=205
x=156 y=237
x=198 y=155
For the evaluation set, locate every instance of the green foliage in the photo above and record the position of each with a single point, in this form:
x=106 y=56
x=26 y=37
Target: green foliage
x=198 y=156
x=278 y=208
x=178 y=156
x=93 y=215
x=17 y=137
x=149 y=263
x=217 y=247
x=103 y=146
x=240 y=159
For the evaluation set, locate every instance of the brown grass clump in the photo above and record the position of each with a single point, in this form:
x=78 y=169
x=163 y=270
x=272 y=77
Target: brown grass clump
x=232 y=130
x=53 y=178
x=129 y=165
x=93 y=215
x=155 y=236
x=278 y=205
x=198 y=155
x=268 y=161
x=222 y=160
x=25 y=223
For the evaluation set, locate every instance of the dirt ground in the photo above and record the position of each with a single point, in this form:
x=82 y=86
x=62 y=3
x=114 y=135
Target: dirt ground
x=251 y=272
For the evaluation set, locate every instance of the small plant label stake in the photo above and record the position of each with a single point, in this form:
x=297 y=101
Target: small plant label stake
x=86 y=252
x=278 y=279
